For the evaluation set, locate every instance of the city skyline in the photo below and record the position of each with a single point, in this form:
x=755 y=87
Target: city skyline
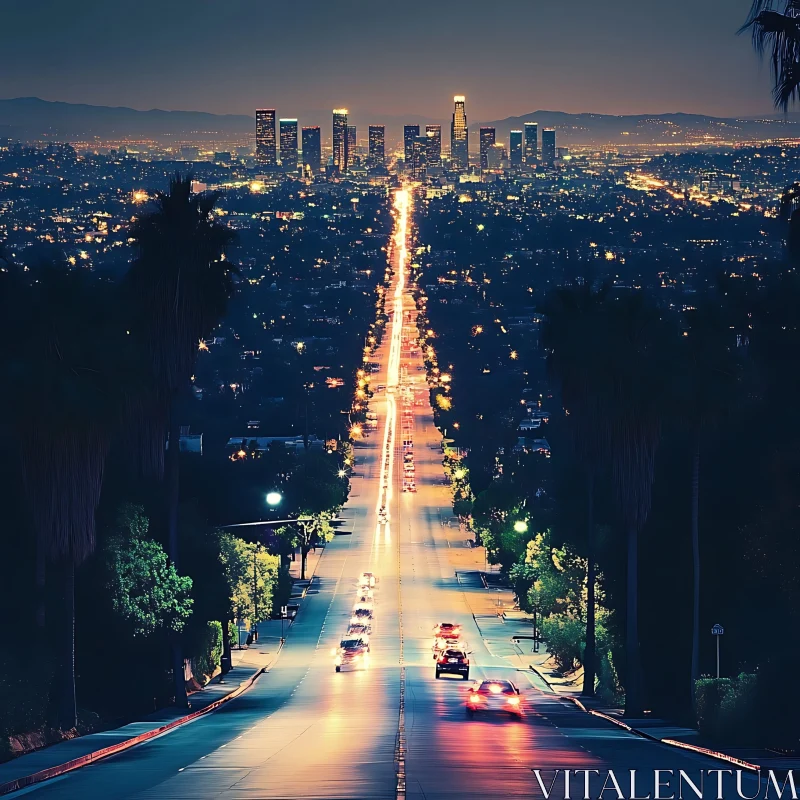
x=711 y=71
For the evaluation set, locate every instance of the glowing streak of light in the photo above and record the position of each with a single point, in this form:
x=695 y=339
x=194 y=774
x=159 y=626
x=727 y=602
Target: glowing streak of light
x=401 y=204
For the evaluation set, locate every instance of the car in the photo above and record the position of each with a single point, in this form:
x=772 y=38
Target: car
x=365 y=598
x=453 y=661
x=361 y=613
x=363 y=629
x=353 y=652
x=447 y=629
x=494 y=695
x=446 y=643
x=367 y=579
x=383 y=515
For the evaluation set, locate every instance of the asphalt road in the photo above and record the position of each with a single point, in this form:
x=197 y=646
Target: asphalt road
x=305 y=731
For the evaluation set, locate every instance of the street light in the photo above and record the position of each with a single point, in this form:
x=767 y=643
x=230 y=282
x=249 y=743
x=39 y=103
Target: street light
x=342 y=473
x=274 y=498
x=520 y=526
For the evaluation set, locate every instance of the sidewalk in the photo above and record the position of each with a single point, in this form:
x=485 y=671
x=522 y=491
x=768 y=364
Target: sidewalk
x=64 y=756
x=248 y=663
x=499 y=632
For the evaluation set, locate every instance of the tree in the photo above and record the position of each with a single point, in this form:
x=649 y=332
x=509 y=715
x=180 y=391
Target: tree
x=317 y=492
x=178 y=288
x=710 y=389
x=779 y=32
x=65 y=379
x=639 y=350
x=572 y=335
x=252 y=574
x=145 y=589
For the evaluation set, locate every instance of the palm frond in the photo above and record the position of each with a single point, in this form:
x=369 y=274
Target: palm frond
x=778 y=32
x=787 y=85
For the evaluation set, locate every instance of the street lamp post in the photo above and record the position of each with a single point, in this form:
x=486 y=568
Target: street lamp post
x=255 y=594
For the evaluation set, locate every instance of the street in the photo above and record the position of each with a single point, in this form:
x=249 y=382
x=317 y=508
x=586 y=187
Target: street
x=305 y=731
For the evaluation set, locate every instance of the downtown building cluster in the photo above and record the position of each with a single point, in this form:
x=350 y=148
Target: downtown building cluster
x=281 y=145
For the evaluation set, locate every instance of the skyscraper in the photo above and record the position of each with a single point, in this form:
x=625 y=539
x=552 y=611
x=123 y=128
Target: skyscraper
x=288 y=128
x=486 y=141
x=312 y=149
x=410 y=132
x=434 y=155
x=419 y=156
x=515 y=148
x=377 y=145
x=531 y=142
x=496 y=156
x=265 y=137
x=352 y=141
x=340 y=154
x=548 y=146
x=459 y=141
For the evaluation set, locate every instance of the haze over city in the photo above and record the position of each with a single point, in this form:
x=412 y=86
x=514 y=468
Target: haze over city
x=616 y=57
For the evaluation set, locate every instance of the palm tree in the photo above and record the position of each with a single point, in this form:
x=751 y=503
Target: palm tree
x=572 y=334
x=778 y=31
x=63 y=393
x=638 y=347
x=709 y=361
x=790 y=218
x=179 y=286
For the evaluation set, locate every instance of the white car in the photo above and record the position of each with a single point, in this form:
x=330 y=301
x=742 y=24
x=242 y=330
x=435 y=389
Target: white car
x=368 y=579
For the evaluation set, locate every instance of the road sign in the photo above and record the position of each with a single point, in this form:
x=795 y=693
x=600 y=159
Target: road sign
x=717 y=631
x=284 y=611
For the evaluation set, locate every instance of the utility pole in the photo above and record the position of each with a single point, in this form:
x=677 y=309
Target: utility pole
x=255 y=593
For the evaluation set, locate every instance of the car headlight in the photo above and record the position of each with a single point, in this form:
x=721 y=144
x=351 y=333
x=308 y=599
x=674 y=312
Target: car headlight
x=513 y=701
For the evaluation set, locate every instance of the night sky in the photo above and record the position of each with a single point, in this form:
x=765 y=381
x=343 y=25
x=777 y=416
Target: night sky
x=403 y=57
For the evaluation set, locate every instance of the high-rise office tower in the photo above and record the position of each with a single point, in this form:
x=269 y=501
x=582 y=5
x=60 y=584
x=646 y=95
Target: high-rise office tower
x=340 y=154
x=419 y=156
x=410 y=132
x=433 y=157
x=459 y=135
x=266 y=155
x=377 y=145
x=486 y=141
x=312 y=149
x=531 y=152
x=288 y=128
x=496 y=156
x=352 y=141
x=515 y=148
x=548 y=145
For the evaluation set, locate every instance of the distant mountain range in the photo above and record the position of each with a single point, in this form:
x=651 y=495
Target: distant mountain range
x=32 y=119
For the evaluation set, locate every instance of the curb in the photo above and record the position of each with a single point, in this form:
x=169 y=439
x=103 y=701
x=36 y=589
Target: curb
x=97 y=755
x=704 y=751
